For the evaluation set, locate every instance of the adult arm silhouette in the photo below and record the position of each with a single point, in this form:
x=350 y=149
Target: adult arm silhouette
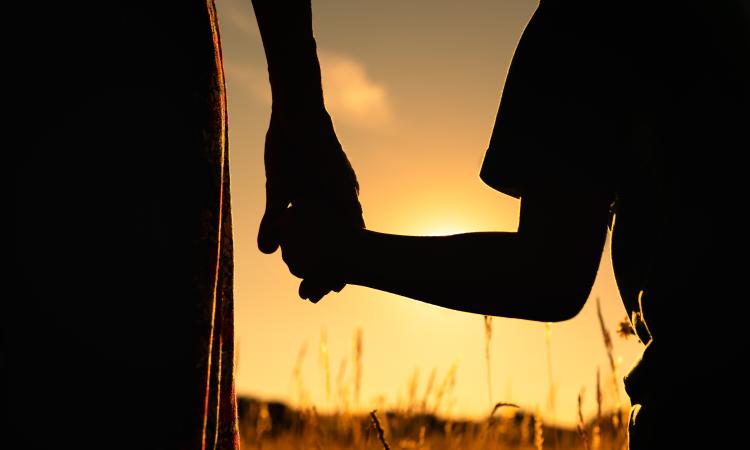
x=305 y=164
x=542 y=272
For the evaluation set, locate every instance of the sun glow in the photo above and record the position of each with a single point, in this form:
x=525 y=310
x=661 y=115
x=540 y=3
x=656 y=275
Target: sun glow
x=444 y=220
x=445 y=229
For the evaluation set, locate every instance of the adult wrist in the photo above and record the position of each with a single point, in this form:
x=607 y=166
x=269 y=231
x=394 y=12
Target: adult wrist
x=294 y=113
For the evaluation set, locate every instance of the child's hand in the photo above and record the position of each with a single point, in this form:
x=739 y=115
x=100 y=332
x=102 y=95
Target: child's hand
x=314 y=249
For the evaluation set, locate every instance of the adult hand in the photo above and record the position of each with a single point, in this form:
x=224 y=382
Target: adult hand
x=306 y=167
x=314 y=251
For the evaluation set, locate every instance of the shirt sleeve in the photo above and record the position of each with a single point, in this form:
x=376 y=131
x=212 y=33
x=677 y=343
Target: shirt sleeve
x=560 y=111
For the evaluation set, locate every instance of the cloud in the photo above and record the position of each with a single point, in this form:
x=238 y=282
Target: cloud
x=245 y=71
x=350 y=95
x=248 y=78
x=239 y=16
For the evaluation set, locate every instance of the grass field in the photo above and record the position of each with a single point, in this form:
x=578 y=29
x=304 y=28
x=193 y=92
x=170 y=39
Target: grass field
x=422 y=422
x=276 y=426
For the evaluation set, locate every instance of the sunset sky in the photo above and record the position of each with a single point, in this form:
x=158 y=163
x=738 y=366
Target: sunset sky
x=413 y=87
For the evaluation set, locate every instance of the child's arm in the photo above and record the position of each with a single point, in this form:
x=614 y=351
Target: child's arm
x=543 y=272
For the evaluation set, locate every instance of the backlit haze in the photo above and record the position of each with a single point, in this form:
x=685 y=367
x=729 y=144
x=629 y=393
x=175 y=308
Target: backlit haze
x=413 y=87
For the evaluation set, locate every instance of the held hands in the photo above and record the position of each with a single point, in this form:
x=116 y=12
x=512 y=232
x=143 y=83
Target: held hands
x=315 y=251
x=307 y=168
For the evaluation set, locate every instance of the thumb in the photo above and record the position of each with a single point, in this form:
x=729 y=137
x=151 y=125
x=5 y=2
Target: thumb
x=269 y=233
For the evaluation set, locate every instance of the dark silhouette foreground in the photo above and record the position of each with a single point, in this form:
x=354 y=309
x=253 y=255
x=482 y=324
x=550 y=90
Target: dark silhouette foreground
x=123 y=258
x=123 y=248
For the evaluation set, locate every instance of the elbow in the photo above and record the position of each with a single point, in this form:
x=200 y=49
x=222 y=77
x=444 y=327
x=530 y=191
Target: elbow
x=544 y=302
x=561 y=293
x=561 y=308
x=563 y=299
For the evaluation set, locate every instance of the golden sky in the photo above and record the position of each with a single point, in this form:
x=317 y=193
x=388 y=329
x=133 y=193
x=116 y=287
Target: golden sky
x=413 y=88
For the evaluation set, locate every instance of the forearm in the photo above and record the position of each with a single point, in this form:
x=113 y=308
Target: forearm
x=293 y=68
x=449 y=271
x=499 y=274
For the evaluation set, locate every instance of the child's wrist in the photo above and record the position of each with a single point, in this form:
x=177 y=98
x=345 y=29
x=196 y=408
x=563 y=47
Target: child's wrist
x=353 y=254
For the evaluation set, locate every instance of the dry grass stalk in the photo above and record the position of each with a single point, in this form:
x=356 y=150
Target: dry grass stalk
x=379 y=429
x=596 y=432
x=315 y=429
x=357 y=364
x=538 y=431
x=581 y=423
x=428 y=389
x=411 y=405
x=263 y=424
x=302 y=395
x=607 y=337
x=499 y=405
x=526 y=429
x=598 y=395
x=354 y=423
x=605 y=334
x=596 y=437
x=342 y=387
x=487 y=342
x=552 y=387
x=324 y=361
x=449 y=382
x=488 y=430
